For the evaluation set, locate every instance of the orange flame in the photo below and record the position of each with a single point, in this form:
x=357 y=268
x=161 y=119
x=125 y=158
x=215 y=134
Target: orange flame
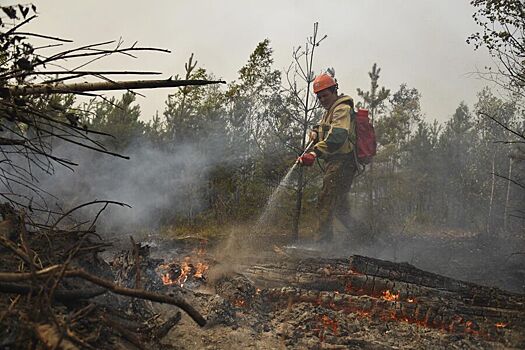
x=501 y=325
x=187 y=269
x=387 y=295
x=200 y=269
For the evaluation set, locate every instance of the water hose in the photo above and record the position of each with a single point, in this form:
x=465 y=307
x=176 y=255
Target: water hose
x=305 y=150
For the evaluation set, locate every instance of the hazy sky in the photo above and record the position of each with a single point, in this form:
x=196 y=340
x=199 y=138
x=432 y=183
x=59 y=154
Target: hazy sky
x=418 y=42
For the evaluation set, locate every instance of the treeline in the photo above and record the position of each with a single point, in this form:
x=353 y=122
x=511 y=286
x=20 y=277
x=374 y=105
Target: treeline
x=459 y=174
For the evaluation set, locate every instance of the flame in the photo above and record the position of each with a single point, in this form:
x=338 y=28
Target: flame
x=185 y=269
x=200 y=269
x=501 y=324
x=410 y=300
x=191 y=266
x=387 y=295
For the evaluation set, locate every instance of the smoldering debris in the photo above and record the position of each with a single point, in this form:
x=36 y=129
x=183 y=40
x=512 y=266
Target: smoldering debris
x=297 y=301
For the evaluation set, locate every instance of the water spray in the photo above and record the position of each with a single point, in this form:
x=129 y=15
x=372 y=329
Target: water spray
x=276 y=196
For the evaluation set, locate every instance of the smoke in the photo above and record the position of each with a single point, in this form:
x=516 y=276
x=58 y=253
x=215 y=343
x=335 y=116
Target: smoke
x=156 y=183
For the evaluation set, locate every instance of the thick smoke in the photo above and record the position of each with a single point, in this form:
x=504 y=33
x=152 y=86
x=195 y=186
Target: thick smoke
x=155 y=183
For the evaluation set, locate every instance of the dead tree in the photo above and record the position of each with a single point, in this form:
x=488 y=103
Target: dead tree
x=306 y=105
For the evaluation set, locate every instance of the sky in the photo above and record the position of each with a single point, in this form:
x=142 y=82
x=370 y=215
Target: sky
x=417 y=42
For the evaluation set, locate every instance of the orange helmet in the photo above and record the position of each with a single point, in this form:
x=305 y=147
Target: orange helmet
x=323 y=81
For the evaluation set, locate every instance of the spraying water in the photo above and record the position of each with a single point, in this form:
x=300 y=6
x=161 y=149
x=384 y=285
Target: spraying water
x=276 y=196
x=274 y=199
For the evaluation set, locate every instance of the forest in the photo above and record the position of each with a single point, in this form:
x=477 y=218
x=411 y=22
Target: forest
x=112 y=219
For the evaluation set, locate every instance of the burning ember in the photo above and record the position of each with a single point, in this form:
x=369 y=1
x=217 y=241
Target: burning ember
x=239 y=303
x=329 y=323
x=501 y=325
x=387 y=295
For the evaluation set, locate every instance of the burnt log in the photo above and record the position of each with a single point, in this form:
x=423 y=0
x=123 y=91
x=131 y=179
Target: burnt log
x=493 y=324
x=360 y=275
x=390 y=291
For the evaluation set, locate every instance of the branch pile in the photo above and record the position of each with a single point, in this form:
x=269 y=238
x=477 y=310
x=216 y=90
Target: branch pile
x=57 y=293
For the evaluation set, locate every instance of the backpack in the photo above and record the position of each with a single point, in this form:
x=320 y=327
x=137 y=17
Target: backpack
x=365 y=145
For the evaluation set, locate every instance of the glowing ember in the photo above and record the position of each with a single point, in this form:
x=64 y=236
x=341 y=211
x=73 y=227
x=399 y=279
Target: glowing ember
x=410 y=300
x=501 y=325
x=387 y=295
x=471 y=327
x=239 y=303
x=329 y=323
x=166 y=279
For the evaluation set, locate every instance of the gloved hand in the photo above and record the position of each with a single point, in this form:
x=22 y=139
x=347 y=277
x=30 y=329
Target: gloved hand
x=307 y=159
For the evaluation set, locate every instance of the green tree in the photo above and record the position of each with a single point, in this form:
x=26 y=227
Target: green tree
x=491 y=151
x=374 y=100
x=248 y=103
x=395 y=127
x=119 y=118
x=502 y=32
x=189 y=112
x=457 y=169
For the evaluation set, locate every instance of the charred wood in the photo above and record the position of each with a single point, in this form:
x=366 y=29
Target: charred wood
x=367 y=276
x=448 y=317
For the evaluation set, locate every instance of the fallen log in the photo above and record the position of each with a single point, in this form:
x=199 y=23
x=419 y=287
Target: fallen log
x=61 y=88
x=367 y=276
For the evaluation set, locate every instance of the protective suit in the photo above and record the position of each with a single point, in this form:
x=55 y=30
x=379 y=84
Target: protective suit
x=335 y=134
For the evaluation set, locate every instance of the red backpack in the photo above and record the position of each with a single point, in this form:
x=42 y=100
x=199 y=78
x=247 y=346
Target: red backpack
x=365 y=146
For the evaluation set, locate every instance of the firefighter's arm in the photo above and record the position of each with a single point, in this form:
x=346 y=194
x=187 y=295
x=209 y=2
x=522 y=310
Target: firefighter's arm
x=337 y=134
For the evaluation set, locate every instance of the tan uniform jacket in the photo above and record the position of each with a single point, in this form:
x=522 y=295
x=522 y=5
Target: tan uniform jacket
x=335 y=132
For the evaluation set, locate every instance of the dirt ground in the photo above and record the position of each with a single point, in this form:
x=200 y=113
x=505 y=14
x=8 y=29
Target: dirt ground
x=309 y=326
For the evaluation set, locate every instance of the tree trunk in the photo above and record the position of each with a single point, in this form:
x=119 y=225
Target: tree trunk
x=491 y=202
x=505 y=212
x=41 y=89
x=371 y=206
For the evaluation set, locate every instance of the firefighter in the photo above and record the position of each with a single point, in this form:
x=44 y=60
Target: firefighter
x=333 y=139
